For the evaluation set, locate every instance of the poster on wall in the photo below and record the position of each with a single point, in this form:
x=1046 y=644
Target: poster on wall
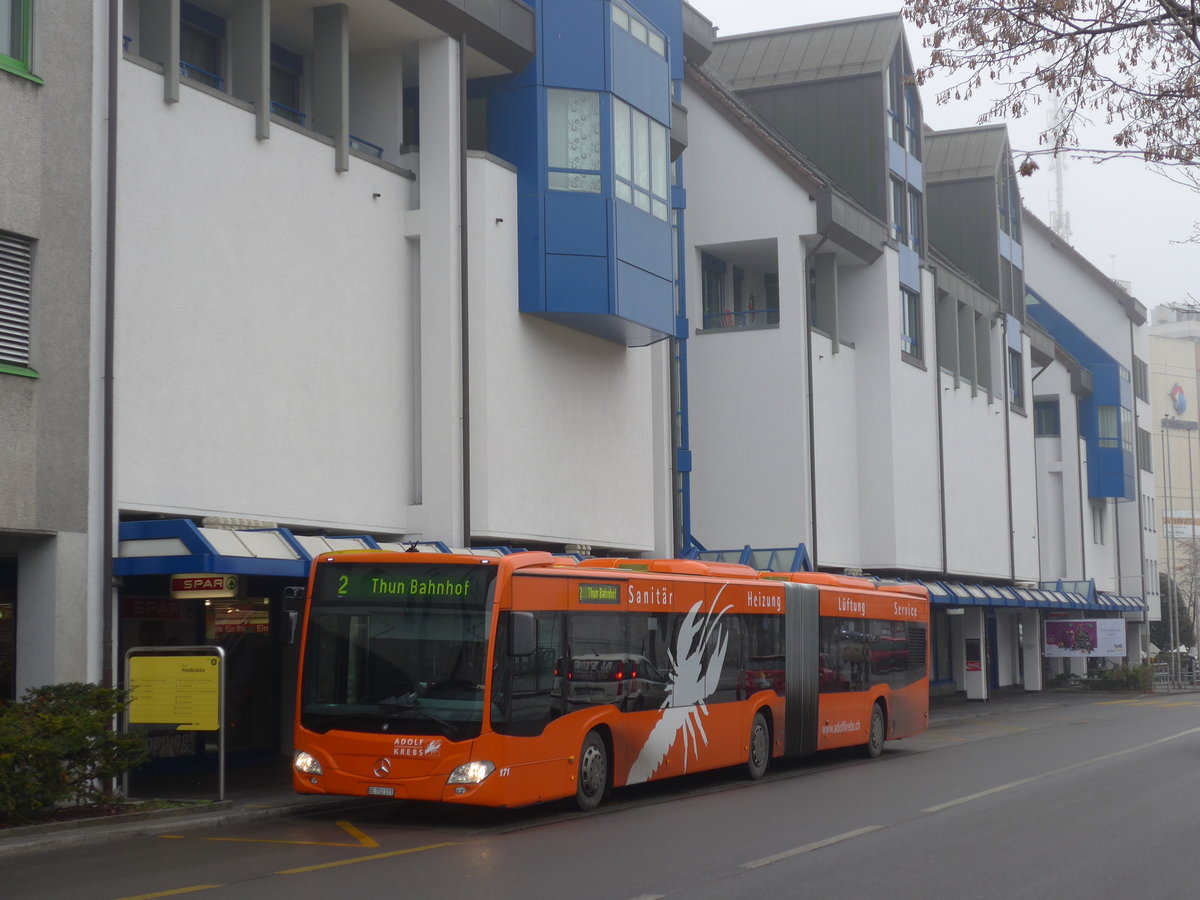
x=1183 y=523
x=1085 y=637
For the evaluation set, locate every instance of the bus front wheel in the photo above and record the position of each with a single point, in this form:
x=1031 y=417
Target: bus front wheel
x=593 y=772
x=760 y=748
x=874 y=746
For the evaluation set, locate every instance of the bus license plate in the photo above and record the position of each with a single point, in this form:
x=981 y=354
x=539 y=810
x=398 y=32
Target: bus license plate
x=374 y=790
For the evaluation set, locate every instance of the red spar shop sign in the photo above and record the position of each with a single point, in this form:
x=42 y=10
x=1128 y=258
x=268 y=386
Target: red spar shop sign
x=186 y=587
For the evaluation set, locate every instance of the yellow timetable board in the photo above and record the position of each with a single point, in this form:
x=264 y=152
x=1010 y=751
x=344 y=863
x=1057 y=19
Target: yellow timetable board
x=176 y=690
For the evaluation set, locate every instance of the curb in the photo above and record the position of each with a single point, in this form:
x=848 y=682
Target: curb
x=102 y=829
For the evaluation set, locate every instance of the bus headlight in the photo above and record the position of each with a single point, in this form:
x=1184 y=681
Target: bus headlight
x=306 y=763
x=472 y=772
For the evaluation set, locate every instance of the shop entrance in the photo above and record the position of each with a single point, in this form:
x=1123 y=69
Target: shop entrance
x=243 y=628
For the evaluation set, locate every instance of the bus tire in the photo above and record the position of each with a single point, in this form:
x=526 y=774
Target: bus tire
x=592 y=783
x=878 y=734
x=760 y=747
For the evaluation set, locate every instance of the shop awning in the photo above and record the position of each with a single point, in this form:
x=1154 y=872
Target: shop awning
x=954 y=593
x=175 y=546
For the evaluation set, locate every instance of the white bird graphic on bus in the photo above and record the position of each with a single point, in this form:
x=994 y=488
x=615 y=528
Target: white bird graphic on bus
x=691 y=683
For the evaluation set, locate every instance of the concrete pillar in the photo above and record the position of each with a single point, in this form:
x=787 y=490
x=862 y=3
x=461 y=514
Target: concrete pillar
x=440 y=294
x=158 y=40
x=250 y=56
x=975 y=667
x=1031 y=649
x=52 y=611
x=331 y=79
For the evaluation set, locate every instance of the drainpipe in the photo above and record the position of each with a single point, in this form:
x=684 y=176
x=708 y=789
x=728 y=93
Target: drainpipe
x=941 y=449
x=464 y=307
x=1144 y=638
x=109 y=672
x=681 y=482
x=1012 y=551
x=812 y=419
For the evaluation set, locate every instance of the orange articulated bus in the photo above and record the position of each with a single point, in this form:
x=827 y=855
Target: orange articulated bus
x=507 y=681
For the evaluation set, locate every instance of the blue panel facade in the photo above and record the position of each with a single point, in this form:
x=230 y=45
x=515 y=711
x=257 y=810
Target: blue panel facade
x=571 y=38
x=581 y=220
x=640 y=78
x=1111 y=460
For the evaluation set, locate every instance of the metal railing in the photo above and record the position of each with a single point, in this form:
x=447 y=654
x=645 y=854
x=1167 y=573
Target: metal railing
x=287 y=112
x=743 y=318
x=362 y=146
x=187 y=70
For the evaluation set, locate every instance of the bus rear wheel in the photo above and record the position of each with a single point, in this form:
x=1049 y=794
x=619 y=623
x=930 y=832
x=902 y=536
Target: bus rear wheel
x=874 y=746
x=592 y=782
x=760 y=748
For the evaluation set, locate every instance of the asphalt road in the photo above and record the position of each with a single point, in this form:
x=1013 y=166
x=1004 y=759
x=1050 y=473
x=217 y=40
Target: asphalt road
x=1093 y=800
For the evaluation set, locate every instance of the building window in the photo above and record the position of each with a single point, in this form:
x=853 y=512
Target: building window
x=771 y=286
x=713 y=286
x=895 y=97
x=1141 y=380
x=200 y=36
x=1144 y=453
x=1008 y=201
x=1045 y=418
x=15 y=35
x=899 y=212
x=627 y=20
x=573 y=140
x=287 y=72
x=16 y=292
x=1126 y=429
x=910 y=322
x=640 y=160
x=1107 y=430
x=1016 y=379
x=915 y=229
x=1098 y=522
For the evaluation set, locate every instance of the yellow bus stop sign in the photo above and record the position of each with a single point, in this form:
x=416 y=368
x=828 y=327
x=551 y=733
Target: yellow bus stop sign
x=184 y=691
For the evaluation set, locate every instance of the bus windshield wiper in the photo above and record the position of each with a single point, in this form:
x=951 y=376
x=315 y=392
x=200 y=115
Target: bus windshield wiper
x=411 y=703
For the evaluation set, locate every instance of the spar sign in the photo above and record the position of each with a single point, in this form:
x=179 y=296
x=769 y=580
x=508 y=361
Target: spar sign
x=203 y=587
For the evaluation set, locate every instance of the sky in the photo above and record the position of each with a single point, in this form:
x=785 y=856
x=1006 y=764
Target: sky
x=1128 y=221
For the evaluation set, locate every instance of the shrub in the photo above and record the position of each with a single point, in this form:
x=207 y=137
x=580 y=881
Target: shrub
x=57 y=744
x=1128 y=678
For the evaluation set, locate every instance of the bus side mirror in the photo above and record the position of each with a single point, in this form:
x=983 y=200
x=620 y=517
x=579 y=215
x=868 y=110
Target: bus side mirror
x=523 y=634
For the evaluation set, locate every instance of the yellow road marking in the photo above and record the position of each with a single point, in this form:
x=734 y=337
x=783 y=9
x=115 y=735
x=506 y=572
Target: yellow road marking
x=359 y=859
x=176 y=891
x=361 y=840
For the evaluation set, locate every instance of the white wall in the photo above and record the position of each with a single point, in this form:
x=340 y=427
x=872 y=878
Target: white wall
x=563 y=424
x=977 y=509
x=747 y=406
x=1078 y=290
x=264 y=315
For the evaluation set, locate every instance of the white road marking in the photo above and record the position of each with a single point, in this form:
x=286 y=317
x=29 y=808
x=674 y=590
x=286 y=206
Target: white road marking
x=1079 y=765
x=808 y=848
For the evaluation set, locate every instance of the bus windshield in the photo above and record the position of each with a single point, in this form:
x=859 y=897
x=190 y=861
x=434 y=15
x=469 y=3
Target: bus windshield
x=397 y=648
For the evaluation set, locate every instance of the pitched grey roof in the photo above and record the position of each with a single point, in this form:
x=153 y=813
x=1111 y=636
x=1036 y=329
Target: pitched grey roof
x=806 y=53
x=965 y=153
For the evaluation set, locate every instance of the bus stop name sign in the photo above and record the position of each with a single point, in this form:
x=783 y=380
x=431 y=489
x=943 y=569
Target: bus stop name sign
x=184 y=691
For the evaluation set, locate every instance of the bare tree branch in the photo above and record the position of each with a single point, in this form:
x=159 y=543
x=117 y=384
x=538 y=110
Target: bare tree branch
x=1132 y=65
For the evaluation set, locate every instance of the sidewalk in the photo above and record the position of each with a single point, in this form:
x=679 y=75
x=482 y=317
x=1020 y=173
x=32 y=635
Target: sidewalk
x=266 y=792
x=250 y=795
